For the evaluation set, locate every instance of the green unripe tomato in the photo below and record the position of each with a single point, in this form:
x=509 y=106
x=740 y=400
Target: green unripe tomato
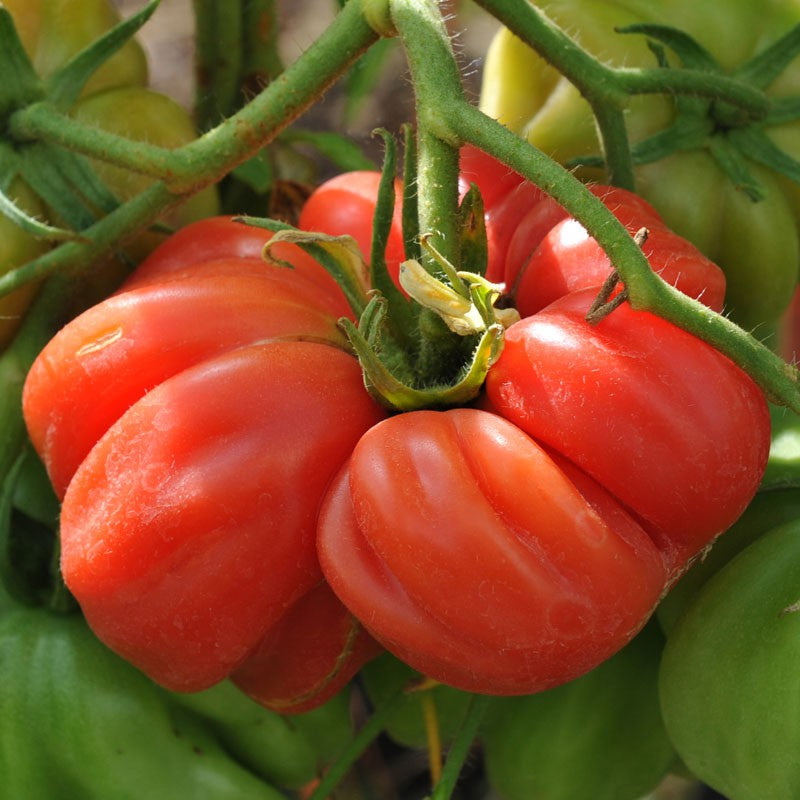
x=142 y=114
x=115 y=99
x=600 y=736
x=729 y=689
x=16 y=247
x=79 y=722
x=287 y=751
x=53 y=31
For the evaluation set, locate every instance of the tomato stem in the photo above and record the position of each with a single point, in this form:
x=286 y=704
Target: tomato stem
x=459 y=749
x=437 y=82
x=358 y=744
x=211 y=156
x=608 y=89
x=190 y=168
x=219 y=59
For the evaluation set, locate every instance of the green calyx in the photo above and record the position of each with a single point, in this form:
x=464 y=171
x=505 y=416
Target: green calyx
x=731 y=134
x=431 y=343
x=432 y=346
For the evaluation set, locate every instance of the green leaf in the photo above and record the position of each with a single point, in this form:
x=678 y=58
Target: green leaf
x=339 y=255
x=733 y=164
x=20 y=84
x=764 y=68
x=65 y=85
x=690 y=52
x=257 y=173
x=688 y=133
x=9 y=169
x=31 y=225
x=26 y=547
x=402 y=315
x=42 y=168
x=783 y=109
x=397 y=394
x=472 y=232
x=78 y=171
x=343 y=152
x=761 y=149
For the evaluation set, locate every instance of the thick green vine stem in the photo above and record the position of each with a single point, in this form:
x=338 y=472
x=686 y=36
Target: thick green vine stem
x=189 y=168
x=207 y=159
x=219 y=59
x=437 y=155
x=645 y=289
x=454 y=120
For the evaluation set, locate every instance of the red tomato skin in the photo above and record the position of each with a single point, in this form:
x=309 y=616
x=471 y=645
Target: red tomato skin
x=471 y=554
x=528 y=233
x=493 y=178
x=502 y=220
x=668 y=425
x=188 y=530
x=103 y=361
x=534 y=226
x=220 y=239
x=345 y=205
x=308 y=656
x=568 y=260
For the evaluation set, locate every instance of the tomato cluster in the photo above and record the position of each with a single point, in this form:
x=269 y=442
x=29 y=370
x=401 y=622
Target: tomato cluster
x=236 y=503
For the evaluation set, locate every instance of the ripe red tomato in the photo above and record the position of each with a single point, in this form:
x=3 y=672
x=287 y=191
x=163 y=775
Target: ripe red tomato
x=494 y=179
x=214 y=239
x=122 y=348
x=477 y=558
x=307 y=657
x=509 y=549
x=188 y=530
x=215 y=476
x=540 y=253
x=345 y=204
x=191 y=424
x=568 y=259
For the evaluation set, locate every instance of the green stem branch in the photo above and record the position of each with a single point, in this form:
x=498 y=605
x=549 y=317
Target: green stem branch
x=712 y=86
x=357 y=745
x=219 y=59
x=646 y=290
x=459 y=750
x=217 y=152
x=262 y=60
x=608 y=89
x=435 y=76
x=194 y=166
x=95 y=240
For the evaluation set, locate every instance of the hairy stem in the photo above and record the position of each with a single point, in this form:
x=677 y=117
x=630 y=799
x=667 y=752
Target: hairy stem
x=646 y=290
x=218 y=151
x=436 y=78
x=219 y=59
x=608 y=89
